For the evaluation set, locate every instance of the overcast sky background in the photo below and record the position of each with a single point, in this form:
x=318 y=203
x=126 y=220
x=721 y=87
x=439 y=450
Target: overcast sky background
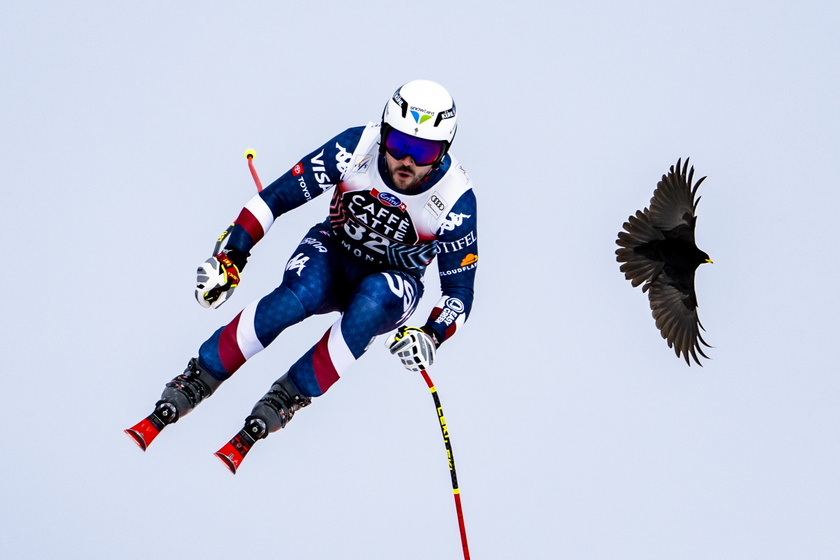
x=576 y=431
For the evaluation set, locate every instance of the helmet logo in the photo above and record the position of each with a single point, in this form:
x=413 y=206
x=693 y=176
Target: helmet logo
x=401 y=103
x=418 y=118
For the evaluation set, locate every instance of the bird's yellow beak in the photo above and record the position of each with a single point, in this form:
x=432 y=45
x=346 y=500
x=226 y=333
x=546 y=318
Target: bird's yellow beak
x=710 y=261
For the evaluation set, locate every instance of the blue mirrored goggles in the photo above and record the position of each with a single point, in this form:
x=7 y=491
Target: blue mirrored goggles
x=423 y=152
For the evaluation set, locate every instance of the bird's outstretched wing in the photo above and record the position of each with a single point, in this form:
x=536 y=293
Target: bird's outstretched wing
x=672 y=205
x=674 y=307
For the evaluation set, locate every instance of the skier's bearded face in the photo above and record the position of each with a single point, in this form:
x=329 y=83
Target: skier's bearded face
x=405 y=173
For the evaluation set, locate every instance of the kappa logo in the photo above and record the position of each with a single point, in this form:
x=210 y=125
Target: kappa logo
x=452 y=221
x=297 y=263
x=342 y=158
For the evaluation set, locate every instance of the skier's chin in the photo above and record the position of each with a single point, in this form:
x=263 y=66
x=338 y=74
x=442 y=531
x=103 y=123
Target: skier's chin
x=405 y=181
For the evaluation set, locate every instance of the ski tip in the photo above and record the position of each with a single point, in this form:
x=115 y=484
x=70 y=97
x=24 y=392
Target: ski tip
x=228 y=460
x=144 y=432
x=137 y=437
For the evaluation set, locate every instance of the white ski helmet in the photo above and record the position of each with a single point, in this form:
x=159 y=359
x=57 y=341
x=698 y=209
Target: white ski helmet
x=423 y=109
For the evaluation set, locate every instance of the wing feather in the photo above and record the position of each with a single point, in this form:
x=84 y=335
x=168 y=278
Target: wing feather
x=675 y=314
x=673 y=203
x=638 y=230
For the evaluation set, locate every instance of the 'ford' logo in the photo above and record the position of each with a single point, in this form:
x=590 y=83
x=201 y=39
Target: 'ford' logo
x=389 y=199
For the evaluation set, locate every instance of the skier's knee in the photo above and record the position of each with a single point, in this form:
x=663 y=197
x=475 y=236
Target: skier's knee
x=299 y=298
x=394 y=292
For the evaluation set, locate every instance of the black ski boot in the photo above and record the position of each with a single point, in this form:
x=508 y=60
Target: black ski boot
x=271 y=413
x=186 y=391
x=279 y=405
x=179 y=397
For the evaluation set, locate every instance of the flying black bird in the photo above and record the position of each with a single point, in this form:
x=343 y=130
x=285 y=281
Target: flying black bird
x=657 y=247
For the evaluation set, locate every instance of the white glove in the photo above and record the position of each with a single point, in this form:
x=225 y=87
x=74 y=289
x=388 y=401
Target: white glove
x=414 y=347
x=216 y=279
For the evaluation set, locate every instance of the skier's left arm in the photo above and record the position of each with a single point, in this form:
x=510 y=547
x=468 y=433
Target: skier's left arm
x=457 y=262
x=457 y=242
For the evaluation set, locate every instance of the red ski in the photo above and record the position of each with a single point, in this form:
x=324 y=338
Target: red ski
x=145 y=431
x=234 y=451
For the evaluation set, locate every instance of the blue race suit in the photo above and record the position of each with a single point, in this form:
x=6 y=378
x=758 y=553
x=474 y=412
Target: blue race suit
x=367 y=260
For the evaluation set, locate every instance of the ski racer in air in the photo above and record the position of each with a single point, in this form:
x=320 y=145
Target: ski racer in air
x=399 y=199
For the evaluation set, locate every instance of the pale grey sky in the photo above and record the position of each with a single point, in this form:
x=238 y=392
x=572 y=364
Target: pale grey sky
x=577 y=432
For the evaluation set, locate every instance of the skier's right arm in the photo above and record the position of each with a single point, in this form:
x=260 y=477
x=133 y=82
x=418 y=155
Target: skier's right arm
x=315 y=174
